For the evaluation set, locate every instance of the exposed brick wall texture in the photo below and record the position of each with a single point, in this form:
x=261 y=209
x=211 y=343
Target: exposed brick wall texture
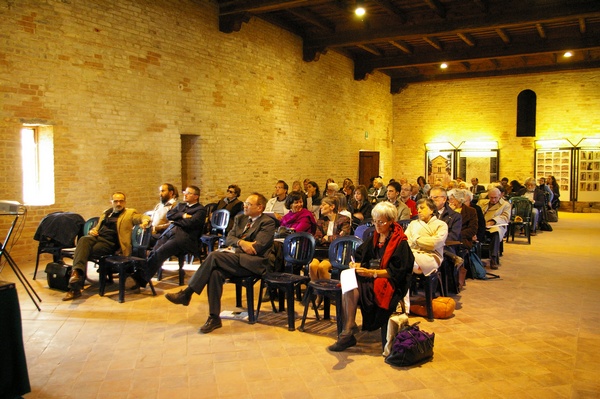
x=122 y=81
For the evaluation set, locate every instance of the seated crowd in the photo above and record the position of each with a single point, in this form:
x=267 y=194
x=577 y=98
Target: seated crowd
x=413 y=228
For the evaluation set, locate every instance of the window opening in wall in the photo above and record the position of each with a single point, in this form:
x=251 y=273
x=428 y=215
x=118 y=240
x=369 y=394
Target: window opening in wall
x=37 y=153
x=526 y=113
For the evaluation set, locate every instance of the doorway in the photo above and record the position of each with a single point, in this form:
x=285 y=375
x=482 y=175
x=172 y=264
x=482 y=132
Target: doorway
x=368 y=166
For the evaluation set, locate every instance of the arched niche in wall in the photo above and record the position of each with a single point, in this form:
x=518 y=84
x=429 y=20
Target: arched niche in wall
x=526 y=113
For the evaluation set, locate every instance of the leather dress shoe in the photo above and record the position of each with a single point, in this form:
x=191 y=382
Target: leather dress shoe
x=76 y=277
x=179 y=298
x=211 y=324
x=343 y=343
x=72 y=294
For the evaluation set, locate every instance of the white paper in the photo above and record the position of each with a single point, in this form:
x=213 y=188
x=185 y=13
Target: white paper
x=348 y=280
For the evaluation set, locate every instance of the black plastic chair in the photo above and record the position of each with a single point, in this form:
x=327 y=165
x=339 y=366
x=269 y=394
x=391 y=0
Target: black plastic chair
x=298 y=252
x=341 y=253
x=69 y=222
x=430 y=283
x=88 y=225
x=126 y=265
x=520 y=218
x=219 y=221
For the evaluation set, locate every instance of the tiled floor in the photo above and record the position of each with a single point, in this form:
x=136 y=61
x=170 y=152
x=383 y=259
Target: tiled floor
x=535 y=333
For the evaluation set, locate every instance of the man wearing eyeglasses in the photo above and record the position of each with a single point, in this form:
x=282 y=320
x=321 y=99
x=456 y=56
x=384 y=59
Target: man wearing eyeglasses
x=250 y=242
x=112 y=233
x=186 y=223
x=231 y=203
x=496 y=212
x=276 y=205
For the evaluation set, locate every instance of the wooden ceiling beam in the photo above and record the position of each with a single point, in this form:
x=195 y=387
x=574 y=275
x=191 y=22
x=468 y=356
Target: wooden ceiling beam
x=370 y=49
x=437 y=7
x=313 y=19
x=465 y=37
x=433 y=42
x=407 y=48
x=531 y=70
x=263 y=6
x=503 y=35
x=392 y=9
x=582 y=26
x=510 y=17
x=479 y=53
x=541 y=30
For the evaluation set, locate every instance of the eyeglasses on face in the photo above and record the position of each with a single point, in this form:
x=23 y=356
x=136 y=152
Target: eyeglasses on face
x=189 y=193
x=380 y=222
x=434 y=197
x=248 y=204
x=231 y=191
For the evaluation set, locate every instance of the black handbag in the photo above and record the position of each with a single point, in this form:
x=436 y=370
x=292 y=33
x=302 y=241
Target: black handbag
x=58 y=275
x=283 y=232
x=411 y=346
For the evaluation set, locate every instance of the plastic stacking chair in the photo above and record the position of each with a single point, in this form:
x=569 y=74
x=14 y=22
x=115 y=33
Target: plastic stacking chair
x=298 y=252
x=126 y=265
x=66 y=226
x=341 y=253
x=520 y=218
x=219 y=221
x=430 y=284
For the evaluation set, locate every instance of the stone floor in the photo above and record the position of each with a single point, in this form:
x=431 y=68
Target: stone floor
x=534 y=333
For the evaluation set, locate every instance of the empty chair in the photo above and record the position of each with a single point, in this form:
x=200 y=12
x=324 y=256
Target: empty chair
x=126 y=265
x=298 y=252
x=219 y=221
x=520 y=218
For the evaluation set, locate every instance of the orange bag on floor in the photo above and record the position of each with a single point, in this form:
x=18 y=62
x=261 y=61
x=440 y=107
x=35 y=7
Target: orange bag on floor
x=443 y=308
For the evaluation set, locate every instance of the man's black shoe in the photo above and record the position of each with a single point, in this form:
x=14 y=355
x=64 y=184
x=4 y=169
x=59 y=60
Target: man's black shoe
x=211 y=324
x=179 y=298
x=343 y=343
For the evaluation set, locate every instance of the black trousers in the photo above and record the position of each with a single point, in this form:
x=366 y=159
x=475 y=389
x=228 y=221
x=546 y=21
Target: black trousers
x=216 y=268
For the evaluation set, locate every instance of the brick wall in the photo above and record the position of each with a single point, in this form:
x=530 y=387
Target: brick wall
x=122 y=81
x=568 y=106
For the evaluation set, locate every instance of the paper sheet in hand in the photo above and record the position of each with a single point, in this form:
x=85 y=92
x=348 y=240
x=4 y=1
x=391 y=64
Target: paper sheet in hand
x=348 y=280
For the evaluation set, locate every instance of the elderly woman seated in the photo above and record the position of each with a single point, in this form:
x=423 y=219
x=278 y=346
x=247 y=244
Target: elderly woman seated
x=330 y=226
x=427 y=237
x=468 y=231
x=380 y=278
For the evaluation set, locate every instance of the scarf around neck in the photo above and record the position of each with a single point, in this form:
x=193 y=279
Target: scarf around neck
x=396 y=237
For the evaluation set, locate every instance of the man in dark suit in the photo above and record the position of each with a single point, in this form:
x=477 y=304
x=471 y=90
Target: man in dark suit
x=249 y=245
x=182 y=236
x=476 y=188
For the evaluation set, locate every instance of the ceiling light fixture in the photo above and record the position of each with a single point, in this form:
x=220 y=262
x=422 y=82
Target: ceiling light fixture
x=360 y=9
x=568 y=54
x=444 y=65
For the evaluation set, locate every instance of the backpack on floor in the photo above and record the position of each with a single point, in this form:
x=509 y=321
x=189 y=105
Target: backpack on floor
x=477 y=269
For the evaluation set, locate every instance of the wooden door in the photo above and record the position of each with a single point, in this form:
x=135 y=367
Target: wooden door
x=368 y=166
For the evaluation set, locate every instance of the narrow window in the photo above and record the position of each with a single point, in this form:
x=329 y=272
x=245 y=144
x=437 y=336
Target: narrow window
x=526 y=113
x=37 y=153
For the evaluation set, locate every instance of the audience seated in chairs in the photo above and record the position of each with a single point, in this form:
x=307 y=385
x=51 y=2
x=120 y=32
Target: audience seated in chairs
x=423 y=188
x=537 y=198
x=378 y=192
x=468 y=231
x=250 y=241
x=359 y=206
x=330 y=226
x=393 y=196
x=298 y=218
x=313 y=200
x=496 y=212
x=426 y=237
x=384 y=257
x=231 y=202
x=276 y=205
x=553 y=185
x=112 y=233
x=181 y=237
x=168 y=198
x=405 y=194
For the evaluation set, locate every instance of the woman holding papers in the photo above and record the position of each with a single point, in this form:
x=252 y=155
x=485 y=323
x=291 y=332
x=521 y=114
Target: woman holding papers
x=379 y=278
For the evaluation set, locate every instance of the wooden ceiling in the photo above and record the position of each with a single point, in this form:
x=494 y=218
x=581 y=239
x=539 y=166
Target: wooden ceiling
x=409 y=39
